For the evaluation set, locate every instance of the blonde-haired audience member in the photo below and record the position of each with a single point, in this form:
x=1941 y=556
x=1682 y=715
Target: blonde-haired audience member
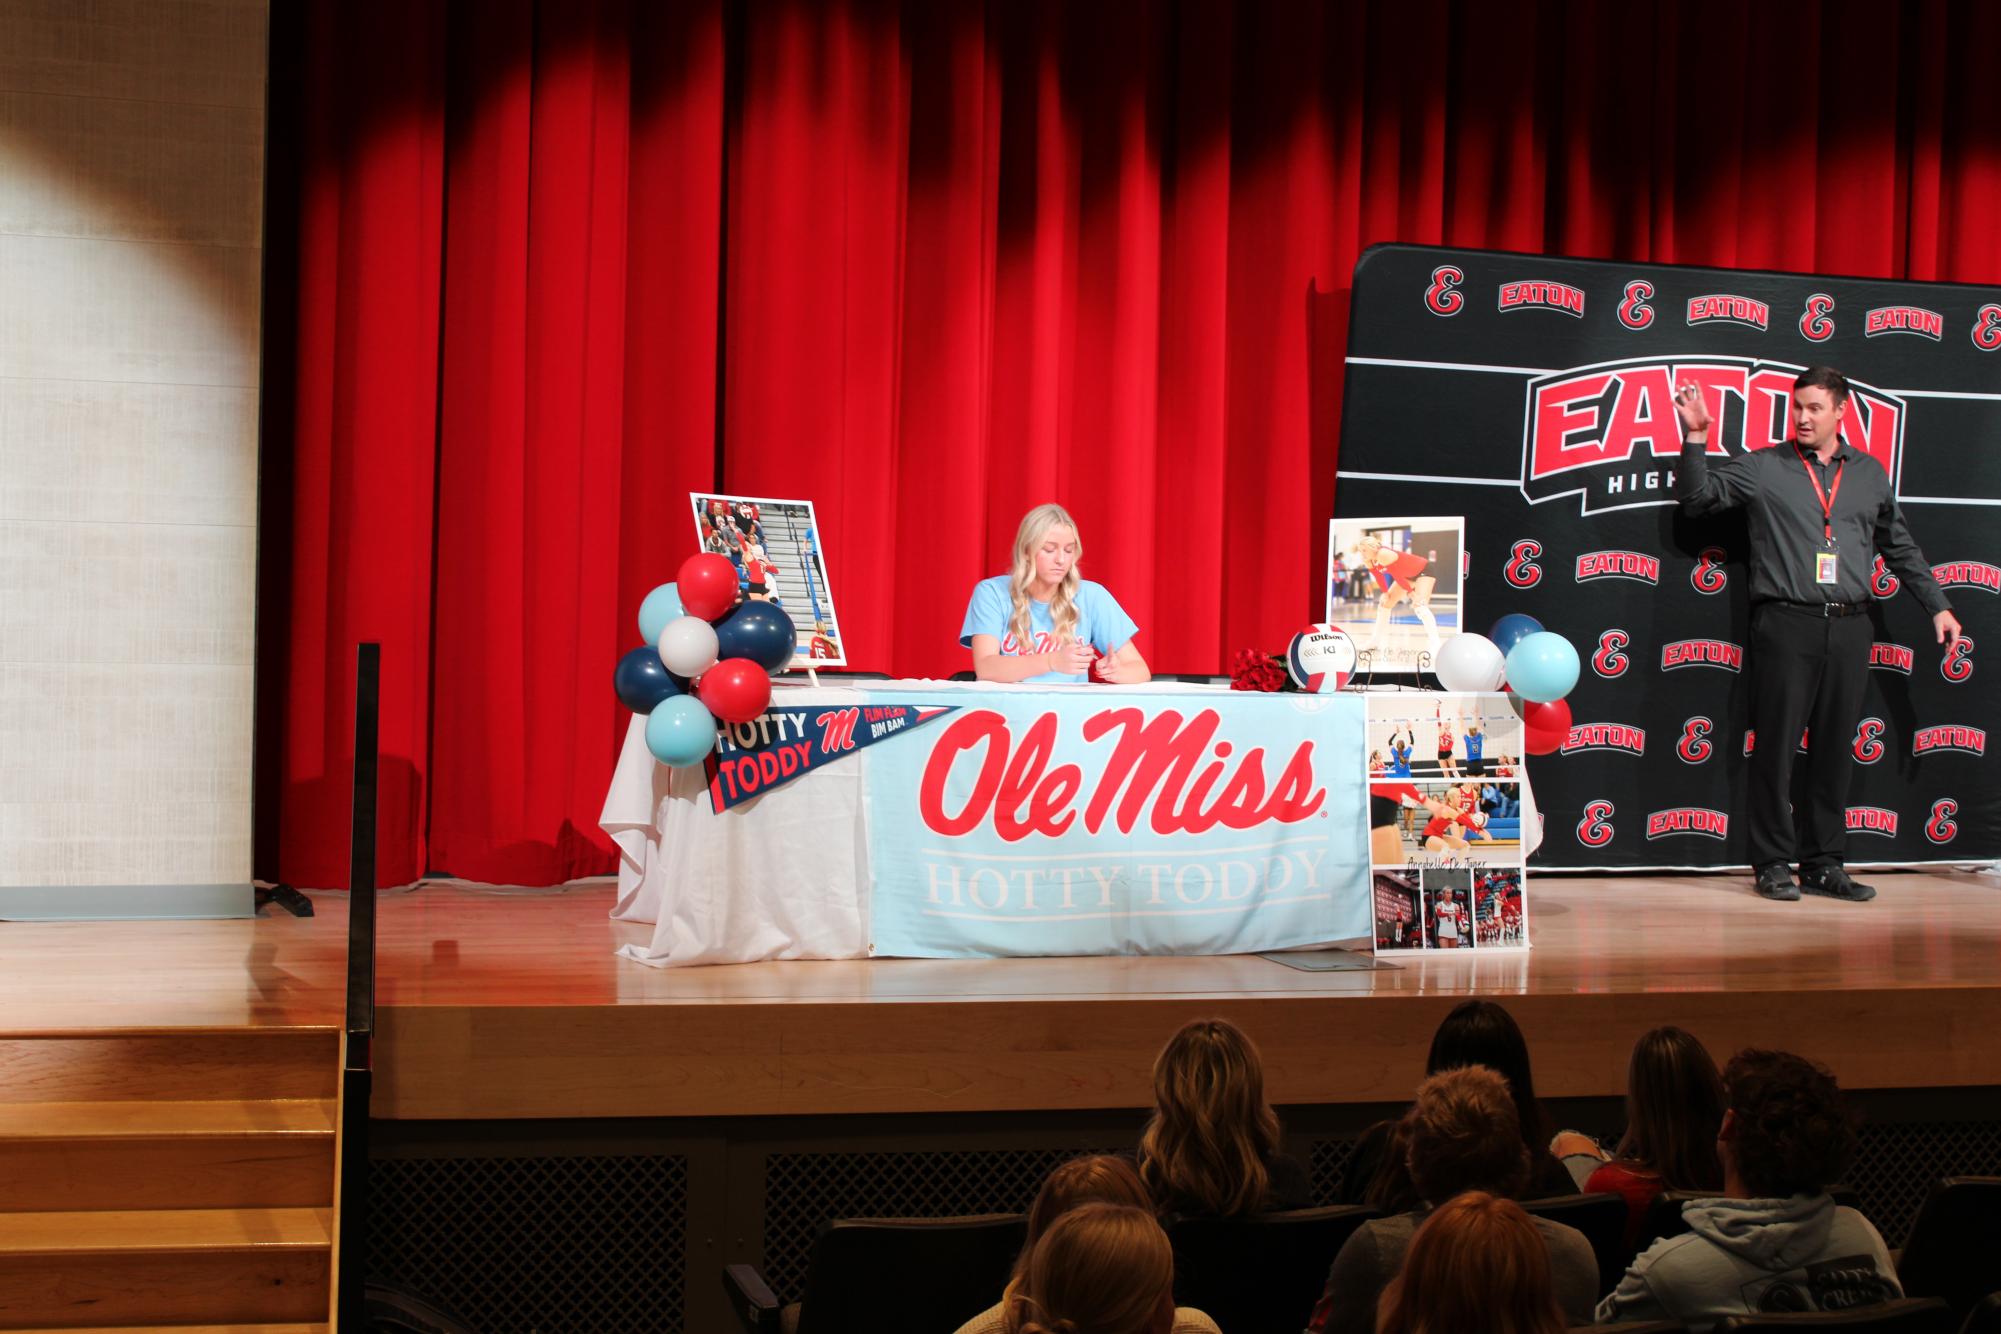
x=1460 y=1135
x=1091 y=1179
x=1211 y=1147
x=1478 y=1265
x=1101 y=1269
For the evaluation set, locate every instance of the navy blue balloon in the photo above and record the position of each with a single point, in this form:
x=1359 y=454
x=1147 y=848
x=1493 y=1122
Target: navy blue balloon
x=642 y=680
x=758 y=631
x=1512 y=629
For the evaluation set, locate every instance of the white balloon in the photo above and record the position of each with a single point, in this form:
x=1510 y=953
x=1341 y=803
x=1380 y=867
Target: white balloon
x=1469 y=662
x=688 y=646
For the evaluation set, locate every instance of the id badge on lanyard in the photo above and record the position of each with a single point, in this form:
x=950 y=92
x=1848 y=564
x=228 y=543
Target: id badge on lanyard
x=1826 y=563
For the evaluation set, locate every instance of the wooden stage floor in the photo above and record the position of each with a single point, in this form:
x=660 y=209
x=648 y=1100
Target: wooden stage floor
x=510 y=1004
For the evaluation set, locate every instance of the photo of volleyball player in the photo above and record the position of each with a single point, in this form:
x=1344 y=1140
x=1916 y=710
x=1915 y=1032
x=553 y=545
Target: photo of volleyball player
x=1448 y=907
x=1430 y=822
x=1398 y=912
x=1410 y=589
x=1497 y=908
x=776 y=549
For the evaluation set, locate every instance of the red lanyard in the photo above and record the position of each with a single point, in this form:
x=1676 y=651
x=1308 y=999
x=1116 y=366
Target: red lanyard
x=1826 y=497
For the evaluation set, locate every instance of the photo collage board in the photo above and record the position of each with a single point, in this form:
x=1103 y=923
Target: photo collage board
x=1446 y=813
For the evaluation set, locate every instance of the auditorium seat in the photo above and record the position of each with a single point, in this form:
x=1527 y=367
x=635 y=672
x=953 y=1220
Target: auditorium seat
x=889 y=1276
x=1911 y=1315
x=1258 y=1274
x=962 y=676
x=1636 y=1327
x=1601 y=1217
x=1664 y=1214
x=1985 y=1317
x=1952 y=1251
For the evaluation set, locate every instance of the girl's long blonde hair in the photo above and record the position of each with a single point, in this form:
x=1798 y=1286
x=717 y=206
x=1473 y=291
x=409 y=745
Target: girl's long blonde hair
x=1063 y=603
x=1212 y=1131
x=1099 y=1269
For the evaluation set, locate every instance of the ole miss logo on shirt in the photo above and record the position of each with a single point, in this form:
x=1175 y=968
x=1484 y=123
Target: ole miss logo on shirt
x=1044 y=642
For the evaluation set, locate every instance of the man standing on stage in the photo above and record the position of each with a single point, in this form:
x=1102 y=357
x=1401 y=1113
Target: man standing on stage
x=1820 y=513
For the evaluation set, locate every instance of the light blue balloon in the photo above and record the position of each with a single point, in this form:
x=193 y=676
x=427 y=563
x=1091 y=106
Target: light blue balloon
x=1542 y=667
x=662 y=605
x=680 y=732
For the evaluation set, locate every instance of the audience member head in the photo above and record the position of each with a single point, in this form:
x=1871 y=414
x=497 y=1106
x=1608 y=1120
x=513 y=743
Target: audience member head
x=1461 y=1135
x=1477 y=1264
x=1674 y=1107
x=1786 y=1131
x=1479 y=1032
x=1205 y=1148
x=1093 y=1179
x=1098 y=1269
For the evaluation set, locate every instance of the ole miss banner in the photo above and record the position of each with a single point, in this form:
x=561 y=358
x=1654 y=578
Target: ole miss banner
x=1534 y=395
x=1098 y=822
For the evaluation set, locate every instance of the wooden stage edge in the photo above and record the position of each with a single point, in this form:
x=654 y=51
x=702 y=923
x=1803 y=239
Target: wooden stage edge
x=498 y=1004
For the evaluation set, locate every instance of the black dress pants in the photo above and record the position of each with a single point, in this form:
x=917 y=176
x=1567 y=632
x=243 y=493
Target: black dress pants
x=1807 y=674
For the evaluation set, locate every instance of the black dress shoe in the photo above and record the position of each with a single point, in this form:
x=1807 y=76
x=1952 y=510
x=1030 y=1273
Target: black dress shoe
x=1833 y=882
x=1776 y=882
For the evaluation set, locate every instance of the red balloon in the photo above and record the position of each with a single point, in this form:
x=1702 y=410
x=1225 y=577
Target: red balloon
x=1541 y=743
x=1545 y=726
x=736 y=690
x=707 y=584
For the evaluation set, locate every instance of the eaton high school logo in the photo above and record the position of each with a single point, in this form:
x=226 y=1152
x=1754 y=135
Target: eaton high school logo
x=1688 y=820
x=1872 y=820
x=1702 y=653
x=1608 y=433
x=1634 y=565
x=1606 y=736
x=1966 y=740
x=1730 y=310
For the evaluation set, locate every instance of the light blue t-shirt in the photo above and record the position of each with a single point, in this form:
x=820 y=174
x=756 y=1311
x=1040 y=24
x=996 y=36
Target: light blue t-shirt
x=1101 y=622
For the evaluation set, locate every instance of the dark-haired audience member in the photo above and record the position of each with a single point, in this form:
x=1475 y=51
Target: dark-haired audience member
x=1460 y=1135
x=1101 y=1269
x=1476 y=1266
x=1476 y=1032
x=1674 y=1107
x=1093 y=1179
x=1211 y=1147
x=1774 y=1241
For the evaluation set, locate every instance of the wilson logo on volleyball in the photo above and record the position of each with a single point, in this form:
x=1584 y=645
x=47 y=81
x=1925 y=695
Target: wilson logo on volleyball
x=1535 y=295
x=1702 y=653
x=1951 y=736
x=1872 y=820
x=1608 y=433
x=1722 y=309
x=1606 y=736
x=1169 y=774
x=1635 y=565
x=1905 y=320
x=1887 y=657
x=1688 y=820
x=1968 y=574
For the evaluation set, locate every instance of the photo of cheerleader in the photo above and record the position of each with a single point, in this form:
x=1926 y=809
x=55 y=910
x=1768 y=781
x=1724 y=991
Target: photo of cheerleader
x=1498 y=908
x=775 y=547
x=1434 y=823
x=1399 y=913
x=1401 y=575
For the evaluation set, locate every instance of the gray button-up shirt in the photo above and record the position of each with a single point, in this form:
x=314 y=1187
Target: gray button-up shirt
x=1787 y=528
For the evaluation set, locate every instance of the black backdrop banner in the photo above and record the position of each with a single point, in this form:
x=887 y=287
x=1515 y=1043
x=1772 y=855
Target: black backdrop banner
x=1532 y=395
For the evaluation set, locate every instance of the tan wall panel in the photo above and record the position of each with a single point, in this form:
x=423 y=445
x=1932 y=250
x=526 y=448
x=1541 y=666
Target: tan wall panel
x=131 y=199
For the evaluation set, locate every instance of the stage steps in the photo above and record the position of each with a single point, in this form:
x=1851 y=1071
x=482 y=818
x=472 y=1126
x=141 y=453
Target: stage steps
x=167 y=1179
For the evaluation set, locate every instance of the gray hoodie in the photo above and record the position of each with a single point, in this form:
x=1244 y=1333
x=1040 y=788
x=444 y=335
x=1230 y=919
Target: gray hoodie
x=1805 y=1253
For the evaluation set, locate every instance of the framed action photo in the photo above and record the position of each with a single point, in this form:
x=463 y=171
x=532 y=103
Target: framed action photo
x=775 y=546
x=1398 y=587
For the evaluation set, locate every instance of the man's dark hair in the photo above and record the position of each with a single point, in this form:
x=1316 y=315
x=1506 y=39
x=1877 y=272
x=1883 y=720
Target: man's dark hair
x=1793 y=1135
x=1824 y=377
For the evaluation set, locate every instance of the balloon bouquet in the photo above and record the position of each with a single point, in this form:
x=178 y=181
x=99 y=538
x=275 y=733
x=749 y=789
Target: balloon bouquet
x=706 y=659
x=1539 y=667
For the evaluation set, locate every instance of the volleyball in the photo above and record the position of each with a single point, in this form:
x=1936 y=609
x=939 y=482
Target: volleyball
x=1320 y=658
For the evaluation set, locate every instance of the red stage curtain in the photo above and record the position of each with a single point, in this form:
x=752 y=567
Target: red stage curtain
x=537 y=270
